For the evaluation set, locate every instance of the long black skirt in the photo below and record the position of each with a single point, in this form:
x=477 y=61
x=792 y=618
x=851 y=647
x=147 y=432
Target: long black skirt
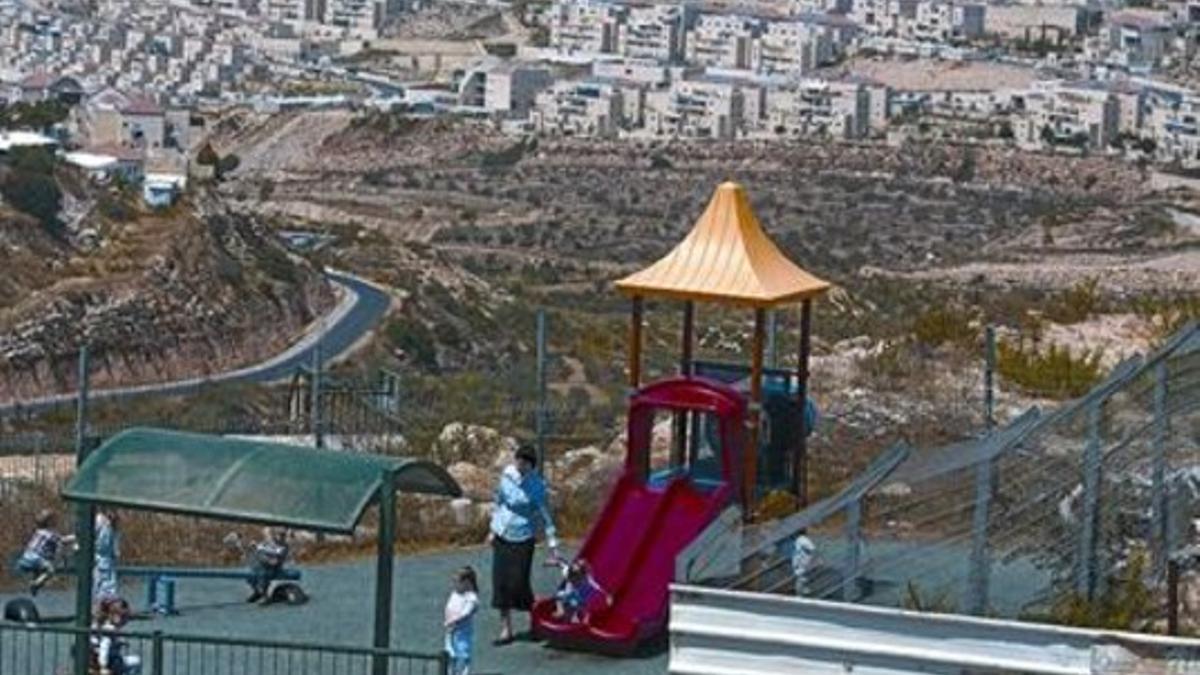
x=512 y=563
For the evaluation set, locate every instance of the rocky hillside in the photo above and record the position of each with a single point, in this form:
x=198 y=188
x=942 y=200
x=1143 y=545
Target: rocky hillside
x=184 y=292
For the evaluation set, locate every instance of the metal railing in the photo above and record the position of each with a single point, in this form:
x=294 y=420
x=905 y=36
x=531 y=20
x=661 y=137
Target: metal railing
x=720 y=632
x=51 y=650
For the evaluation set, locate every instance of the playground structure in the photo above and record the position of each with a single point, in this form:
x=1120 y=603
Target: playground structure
x=716 y=455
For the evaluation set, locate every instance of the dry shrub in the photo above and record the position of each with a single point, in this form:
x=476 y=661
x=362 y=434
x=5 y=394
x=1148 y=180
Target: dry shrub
x=1053 y=373
x=946 y=325
x=1076 y=304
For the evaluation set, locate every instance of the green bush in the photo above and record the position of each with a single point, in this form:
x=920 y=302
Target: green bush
x=229 y=163
x=1052 y=373
x=415 y=340
x=207 y=156
x=41 y=115
x=30 y=187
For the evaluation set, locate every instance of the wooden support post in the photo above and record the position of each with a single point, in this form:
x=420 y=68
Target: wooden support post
x=635 y=345
x=800 y=461
x=680 y=423
x=384 y=567
x=686 y=340
x=750 y=457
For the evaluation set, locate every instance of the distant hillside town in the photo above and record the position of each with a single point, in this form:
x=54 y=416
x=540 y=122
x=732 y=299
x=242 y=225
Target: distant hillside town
x=140 y=78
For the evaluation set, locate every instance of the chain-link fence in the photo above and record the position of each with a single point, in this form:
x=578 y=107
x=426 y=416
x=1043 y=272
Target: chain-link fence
x=1055 y=505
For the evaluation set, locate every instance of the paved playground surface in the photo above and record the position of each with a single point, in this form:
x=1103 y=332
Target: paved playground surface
x=341 y=608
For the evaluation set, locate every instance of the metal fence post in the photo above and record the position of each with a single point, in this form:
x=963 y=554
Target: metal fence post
x=315 y=411
x=156 y=653
x=1172 y=597
x=384 y=571
x=978 y=576
x=539 y=422
x=1161 y=427
x=853 y=546
x=989 y=379
x=1086 y=581
x=84 y=528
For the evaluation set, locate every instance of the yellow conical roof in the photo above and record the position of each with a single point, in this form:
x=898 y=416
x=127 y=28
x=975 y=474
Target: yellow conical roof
x=727 y=257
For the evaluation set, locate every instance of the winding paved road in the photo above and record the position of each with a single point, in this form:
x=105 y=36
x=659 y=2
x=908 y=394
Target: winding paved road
x=359 y=310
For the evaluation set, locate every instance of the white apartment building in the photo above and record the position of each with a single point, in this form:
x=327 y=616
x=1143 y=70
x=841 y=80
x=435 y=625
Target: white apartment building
x=578 y=109
x=286 y=10
x=1022 y=21
x=941 y=21
x=1172 y=121
x=702 y=108
x=362 y=18
x=791 y=47
x=819 y=108
x=585 y=27
x=653 y=32
x=1062 y=113
x=799 y=7
x=921 y=20
x=723 y=41
x=649 y=73
x=505 y=88
x=1136 y=40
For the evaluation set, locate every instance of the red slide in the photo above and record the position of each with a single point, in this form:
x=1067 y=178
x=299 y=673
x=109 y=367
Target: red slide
x=632 y=550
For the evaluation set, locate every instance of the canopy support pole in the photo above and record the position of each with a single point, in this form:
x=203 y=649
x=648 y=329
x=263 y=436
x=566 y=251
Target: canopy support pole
x=750 y=456
x=800 y=461
x=85 y=515
x=679 y=447
x=384 y=572
x=635 y=344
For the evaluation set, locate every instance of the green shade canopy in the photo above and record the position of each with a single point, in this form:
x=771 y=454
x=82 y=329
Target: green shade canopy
x=239 y=479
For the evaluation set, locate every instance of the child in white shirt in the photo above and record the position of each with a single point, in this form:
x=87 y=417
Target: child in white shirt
x=459 y=621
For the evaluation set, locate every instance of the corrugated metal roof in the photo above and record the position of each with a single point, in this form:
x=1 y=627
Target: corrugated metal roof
x=238 y=479
x=727 y=257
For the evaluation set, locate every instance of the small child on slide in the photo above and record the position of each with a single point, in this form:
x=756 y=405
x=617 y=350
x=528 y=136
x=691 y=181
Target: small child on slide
x=42 y=552
x=574 y=595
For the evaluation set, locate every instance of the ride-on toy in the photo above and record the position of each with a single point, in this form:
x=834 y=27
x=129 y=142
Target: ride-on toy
x=697 y=442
